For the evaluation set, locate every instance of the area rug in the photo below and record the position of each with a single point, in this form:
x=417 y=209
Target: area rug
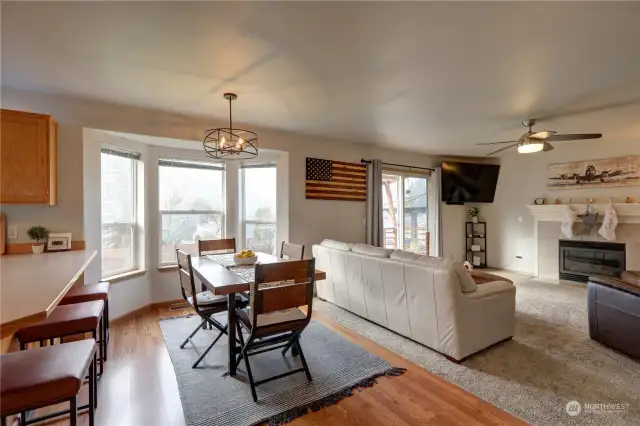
x=550 y=361
x=211 y=398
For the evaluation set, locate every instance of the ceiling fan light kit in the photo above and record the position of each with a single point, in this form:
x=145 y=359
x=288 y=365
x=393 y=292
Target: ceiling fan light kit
x=528 y=147
x=531 y=141
x=230 y=143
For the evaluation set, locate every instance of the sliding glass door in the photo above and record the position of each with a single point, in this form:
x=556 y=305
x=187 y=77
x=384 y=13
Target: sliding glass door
x=405 y=210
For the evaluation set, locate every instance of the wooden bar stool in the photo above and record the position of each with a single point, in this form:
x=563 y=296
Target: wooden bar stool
x=47 y=376
x=89 y=293
x=68 y=320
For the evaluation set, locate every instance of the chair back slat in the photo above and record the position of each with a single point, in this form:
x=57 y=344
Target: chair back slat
x=185 y=272
x=282 y=285
x=227 y=245
x=291 y=251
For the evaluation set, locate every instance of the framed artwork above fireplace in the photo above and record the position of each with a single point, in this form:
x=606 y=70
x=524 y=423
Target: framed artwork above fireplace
x=610 y=172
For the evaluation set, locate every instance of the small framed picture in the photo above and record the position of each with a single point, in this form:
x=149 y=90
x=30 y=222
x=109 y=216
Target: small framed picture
x=59 y=242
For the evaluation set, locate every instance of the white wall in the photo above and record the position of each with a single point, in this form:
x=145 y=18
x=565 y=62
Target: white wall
x=310 y=221
x=523 y=179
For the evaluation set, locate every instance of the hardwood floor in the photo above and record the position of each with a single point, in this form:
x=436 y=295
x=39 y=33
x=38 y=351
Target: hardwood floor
x=139 y=387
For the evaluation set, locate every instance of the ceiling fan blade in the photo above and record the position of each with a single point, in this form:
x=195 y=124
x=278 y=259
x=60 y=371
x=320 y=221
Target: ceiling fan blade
x=574 y=137
x=543 y=134
x=495 y=143
x=546 y=146
x=502 y=149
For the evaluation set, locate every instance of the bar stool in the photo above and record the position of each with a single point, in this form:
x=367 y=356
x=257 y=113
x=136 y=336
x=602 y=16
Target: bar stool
x=67 y=320
x=89 y=293
x=47 y=376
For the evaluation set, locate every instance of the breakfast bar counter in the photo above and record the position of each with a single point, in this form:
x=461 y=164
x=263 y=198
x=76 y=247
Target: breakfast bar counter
x=32 y=285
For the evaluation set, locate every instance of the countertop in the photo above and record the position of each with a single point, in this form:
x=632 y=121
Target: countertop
x=32 y=285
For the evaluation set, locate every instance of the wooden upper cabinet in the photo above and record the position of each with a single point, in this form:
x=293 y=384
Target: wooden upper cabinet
x=28 y=158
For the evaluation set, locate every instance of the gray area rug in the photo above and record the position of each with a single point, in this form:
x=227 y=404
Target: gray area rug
x=550 y=361
x=211 y=398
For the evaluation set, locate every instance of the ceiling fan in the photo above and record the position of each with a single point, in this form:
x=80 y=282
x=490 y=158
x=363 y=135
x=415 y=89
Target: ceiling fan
x=532 y=141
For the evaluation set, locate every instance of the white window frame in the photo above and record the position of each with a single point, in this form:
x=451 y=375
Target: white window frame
x=243 y=221
x=175 y=162
x=400 y=194
x=136 y=236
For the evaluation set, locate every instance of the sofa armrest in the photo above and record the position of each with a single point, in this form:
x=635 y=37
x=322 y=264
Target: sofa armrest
x=615 y=283
x=491 y=288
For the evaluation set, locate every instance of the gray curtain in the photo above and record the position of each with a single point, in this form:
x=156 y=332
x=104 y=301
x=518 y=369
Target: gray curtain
x=375 y=235
x=435 y=221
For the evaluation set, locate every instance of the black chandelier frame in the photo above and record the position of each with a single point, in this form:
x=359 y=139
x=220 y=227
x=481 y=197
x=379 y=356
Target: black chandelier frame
x=229 y=143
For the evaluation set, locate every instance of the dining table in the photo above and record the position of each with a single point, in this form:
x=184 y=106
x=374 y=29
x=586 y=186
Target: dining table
x=221 y=279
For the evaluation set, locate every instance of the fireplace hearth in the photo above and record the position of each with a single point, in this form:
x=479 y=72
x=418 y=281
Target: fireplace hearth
x=580 y=259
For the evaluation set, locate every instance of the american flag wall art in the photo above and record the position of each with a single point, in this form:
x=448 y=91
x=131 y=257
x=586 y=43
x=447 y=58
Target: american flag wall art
x=335 y=180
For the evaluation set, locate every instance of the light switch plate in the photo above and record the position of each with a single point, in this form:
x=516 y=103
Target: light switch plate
x=12 y=232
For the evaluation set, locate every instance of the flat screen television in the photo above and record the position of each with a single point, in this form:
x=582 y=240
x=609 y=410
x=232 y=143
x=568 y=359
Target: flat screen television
x=469 y=182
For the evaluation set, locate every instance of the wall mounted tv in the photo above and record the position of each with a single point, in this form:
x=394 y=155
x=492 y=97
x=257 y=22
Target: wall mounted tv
x=469 y=182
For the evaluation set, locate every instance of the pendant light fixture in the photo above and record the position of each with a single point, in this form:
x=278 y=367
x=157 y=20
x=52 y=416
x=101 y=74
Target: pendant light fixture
x=229 y=143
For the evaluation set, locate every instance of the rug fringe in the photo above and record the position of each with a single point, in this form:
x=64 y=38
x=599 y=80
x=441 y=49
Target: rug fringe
x=332 y=399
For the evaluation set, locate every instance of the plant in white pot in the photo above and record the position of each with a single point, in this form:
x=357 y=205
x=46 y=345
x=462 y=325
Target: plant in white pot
x=474 y=212
x=38 y=234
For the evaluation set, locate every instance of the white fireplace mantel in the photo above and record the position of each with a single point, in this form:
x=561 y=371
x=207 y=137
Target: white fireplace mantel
x=627 y=212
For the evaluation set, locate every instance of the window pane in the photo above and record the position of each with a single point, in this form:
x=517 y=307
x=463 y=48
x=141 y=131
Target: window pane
x=260 y=194
x=391 y=219
x=117 y=248
x=182 y=188
x=118 y=214
x=261 y=237
x=184 y=230
x=415 y=214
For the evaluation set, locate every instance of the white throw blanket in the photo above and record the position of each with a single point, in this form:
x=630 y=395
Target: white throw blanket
x=608 y=228
x=568 y=218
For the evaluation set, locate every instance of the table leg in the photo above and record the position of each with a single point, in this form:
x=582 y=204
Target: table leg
x=231 y=304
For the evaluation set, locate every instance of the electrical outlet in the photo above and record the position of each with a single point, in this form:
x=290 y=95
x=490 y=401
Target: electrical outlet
x=519 y=219
x=12 y=232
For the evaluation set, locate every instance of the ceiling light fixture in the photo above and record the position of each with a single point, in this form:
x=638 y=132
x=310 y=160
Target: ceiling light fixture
x=528 y=147
x=229 y=143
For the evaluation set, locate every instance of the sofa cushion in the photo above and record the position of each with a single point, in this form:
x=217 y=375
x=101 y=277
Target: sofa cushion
x=368 y=250
x=406 y=256
x=631 y=277
x=467 y=283
x=338 y=245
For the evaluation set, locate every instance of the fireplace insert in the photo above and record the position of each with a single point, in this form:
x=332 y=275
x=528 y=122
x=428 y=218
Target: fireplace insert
x=579 y=259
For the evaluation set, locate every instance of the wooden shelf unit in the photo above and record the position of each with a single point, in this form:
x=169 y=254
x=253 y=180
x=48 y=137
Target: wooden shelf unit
x=475 y=229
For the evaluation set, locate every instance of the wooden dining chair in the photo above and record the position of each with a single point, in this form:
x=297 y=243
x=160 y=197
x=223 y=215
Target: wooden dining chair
x=225 y=245
x=204 y=303
x=291 y=251
x=275 y=320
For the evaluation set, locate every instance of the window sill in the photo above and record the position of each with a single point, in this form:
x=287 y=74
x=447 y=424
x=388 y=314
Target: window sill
x=167 y=268
x=113 y=279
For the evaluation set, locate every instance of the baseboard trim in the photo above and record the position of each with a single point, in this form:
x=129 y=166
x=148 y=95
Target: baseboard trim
x=149 y=307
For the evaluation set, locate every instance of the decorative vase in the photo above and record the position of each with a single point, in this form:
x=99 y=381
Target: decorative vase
x=474 y=219
x=37 y=248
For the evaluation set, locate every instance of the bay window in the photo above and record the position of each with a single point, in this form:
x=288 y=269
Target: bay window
x=259 y=207
x=120 y=239
x=191 y=203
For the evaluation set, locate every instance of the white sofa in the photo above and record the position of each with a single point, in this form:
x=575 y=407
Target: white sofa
x=419 y=297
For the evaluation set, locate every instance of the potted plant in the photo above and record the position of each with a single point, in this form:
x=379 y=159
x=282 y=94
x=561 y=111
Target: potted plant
x=38 y=233
x=474 y=212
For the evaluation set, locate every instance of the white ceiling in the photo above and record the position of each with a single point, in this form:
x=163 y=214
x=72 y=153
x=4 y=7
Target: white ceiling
x=428 y=77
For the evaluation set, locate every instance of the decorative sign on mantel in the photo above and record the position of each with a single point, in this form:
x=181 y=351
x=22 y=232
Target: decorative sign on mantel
x=621 y=171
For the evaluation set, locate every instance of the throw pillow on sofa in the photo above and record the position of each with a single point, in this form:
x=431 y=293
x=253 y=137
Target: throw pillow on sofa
x=467 y=284
x=339 y=245
x=372 y=251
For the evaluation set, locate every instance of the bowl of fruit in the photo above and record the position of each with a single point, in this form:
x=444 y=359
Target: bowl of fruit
x=245 y=257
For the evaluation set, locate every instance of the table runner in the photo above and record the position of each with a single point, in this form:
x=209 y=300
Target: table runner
x=246 y=272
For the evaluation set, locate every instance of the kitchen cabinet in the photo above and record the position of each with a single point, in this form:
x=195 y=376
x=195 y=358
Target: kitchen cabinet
x=28 y=158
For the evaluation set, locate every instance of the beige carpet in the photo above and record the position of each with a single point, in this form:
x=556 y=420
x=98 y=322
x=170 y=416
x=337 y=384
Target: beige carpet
x=549 y=362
